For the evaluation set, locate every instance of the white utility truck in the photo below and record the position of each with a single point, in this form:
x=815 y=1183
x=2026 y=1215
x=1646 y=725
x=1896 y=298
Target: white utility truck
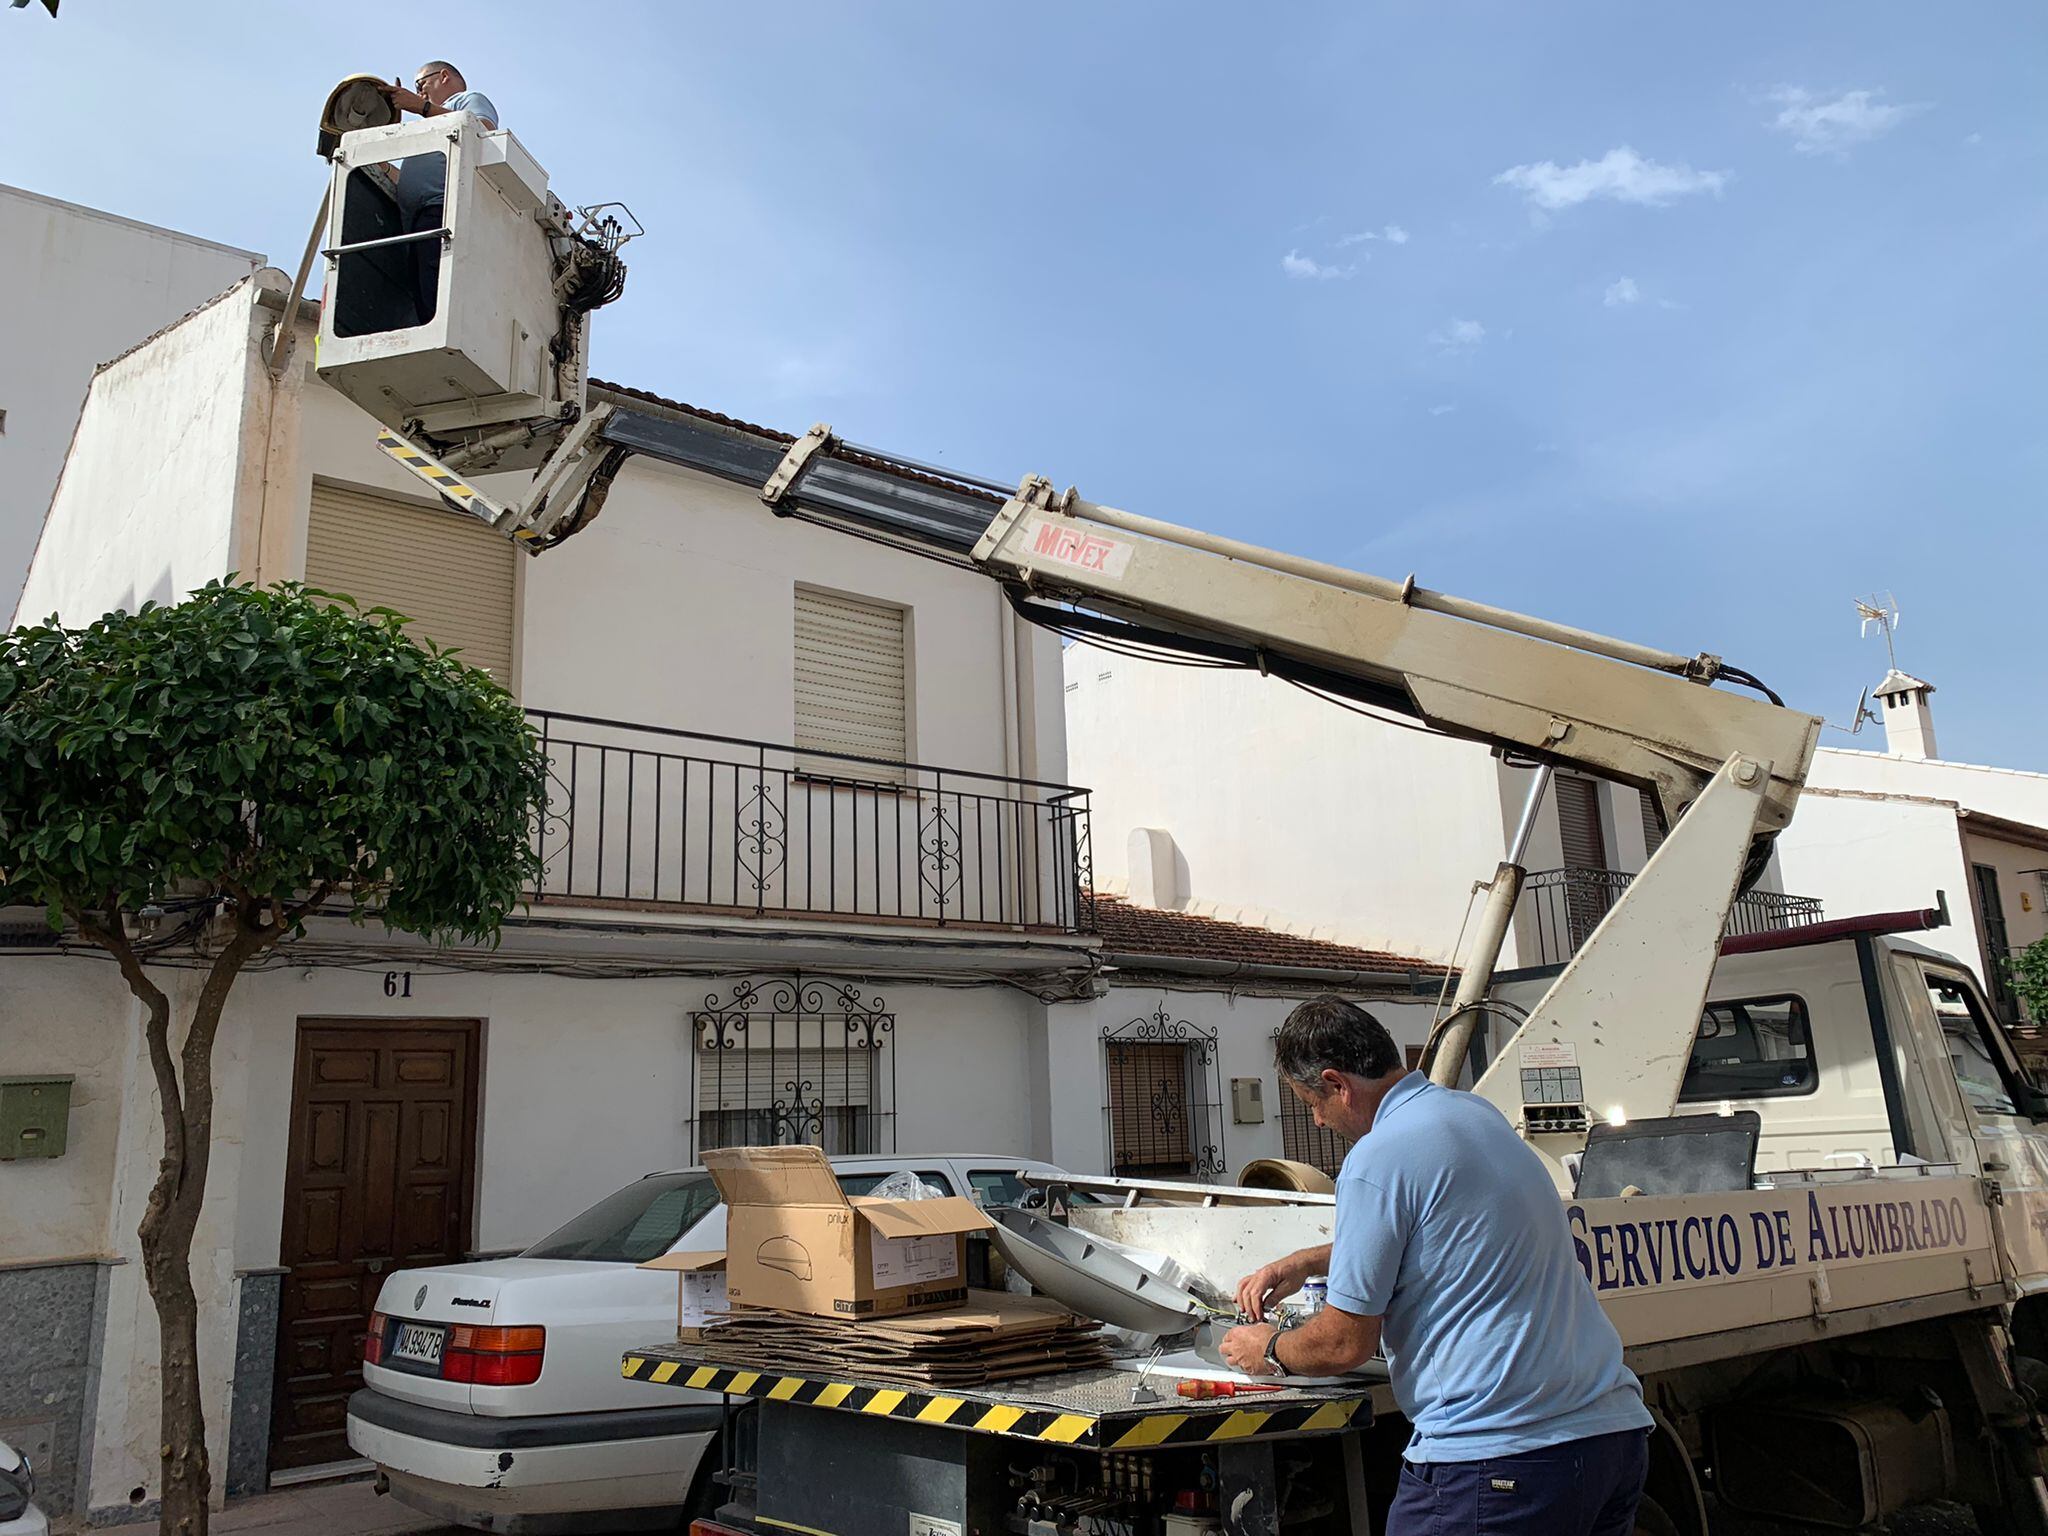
x=1805 y=1171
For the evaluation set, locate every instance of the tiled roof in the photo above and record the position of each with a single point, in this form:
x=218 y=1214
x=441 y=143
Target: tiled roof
x=770 y=434
x=648 y=395
x=1150 y=931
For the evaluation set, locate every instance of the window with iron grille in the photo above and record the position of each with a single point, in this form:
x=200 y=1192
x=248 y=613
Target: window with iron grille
x=1302 y=1140
x=1162 y=1099
x=797 y=1061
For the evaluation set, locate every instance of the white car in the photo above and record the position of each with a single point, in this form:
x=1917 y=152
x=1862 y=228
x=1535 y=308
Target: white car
x=492 y=1394
x=18 y=1515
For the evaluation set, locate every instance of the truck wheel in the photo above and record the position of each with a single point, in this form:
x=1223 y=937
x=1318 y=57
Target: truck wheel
x=2019 y=1515
x=1652 y=1521
x=2032 y=1376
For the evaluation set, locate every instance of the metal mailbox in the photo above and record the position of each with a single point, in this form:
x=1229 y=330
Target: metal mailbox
x=34 y=1112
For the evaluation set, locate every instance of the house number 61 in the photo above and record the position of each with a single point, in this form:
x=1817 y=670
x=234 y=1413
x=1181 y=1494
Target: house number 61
x=398 y=983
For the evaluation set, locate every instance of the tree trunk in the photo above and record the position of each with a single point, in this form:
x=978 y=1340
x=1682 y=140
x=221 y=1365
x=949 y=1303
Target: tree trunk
x=171 y=1216
x=187 y=1476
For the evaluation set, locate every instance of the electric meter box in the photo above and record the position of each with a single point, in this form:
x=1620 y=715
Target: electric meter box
x=1247 y=1101
x=454 y=328
x=34 y=1114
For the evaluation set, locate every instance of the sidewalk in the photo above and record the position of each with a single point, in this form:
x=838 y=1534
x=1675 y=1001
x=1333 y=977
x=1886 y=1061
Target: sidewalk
x=324 y=1509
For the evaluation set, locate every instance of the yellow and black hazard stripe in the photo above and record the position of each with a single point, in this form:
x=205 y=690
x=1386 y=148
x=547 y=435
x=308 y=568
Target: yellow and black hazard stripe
x=1024 y=1421
x=461 y=495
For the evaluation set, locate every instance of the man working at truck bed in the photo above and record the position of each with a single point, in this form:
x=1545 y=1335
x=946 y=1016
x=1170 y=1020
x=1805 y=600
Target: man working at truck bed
x=438 y=89
x=1451 y=1245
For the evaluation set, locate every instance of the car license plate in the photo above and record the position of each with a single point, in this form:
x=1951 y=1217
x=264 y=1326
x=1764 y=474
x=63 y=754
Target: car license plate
x=419 y=1342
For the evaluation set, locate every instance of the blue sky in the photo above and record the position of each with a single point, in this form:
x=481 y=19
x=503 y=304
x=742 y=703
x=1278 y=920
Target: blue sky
x=1687 y=324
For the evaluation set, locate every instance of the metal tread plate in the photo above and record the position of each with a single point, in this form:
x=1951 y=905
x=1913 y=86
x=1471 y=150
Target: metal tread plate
x=1086 y=1409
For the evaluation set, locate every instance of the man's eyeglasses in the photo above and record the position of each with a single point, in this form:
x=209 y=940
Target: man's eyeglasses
x=433 y=74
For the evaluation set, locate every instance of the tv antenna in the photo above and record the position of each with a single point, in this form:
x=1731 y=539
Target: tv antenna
x=1884 y=613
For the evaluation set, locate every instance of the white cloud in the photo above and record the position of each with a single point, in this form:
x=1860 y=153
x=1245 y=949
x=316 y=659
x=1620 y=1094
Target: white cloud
x=1459 y=336
x=1441 y=410
x=1622 y=291
x=1835 y=125
x=1621 y=175
x=1973 y=138
x=1393 y=234
x=1294 y=264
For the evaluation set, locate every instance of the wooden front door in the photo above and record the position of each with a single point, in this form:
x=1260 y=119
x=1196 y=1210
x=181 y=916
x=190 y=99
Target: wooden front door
x=380 y=1177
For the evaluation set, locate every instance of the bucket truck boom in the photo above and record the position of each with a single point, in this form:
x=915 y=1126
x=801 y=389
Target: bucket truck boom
x=1612 y=1037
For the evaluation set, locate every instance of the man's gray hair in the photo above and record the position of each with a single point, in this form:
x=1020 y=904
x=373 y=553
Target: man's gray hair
x=1327 y=1034
x=432 y=65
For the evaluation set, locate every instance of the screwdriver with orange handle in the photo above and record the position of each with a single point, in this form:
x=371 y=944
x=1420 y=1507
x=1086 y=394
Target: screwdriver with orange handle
x=1208 y=1389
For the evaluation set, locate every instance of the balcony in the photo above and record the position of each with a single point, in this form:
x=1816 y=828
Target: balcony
x=658 y=819
x=1562 y=907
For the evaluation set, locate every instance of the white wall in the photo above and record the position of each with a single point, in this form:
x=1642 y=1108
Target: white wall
x=62 y=1017
x=2008 y=792
x=146 y=507
x=1876 y=832
x=1287 y=811
x=1860 y=854
x=1244 y=1026
x=82 y=286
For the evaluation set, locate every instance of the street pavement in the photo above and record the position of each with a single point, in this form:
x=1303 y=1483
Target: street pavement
x=323 y=1509
x=352 y=1509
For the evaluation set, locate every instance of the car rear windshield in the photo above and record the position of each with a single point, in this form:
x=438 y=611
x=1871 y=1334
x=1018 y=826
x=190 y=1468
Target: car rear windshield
x=640 y=1222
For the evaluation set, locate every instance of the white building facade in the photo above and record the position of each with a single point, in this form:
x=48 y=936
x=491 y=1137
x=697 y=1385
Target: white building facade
x=82 y=286
x=1226 y=793
x=1903 y=829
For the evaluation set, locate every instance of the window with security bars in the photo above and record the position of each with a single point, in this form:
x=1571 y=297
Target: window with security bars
x=753 y=1097
x=1151 y=1132
x=1302 y=1140
x=852 y=685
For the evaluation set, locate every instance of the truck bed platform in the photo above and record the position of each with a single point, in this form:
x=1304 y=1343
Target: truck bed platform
x=1087 y=1410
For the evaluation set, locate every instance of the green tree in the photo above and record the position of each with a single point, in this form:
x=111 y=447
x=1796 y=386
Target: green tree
x=2029 y=972
x=221 y=770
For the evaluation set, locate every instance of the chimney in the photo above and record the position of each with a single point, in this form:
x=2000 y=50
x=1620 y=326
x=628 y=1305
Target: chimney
x=1908 y=723
x=1155 y=870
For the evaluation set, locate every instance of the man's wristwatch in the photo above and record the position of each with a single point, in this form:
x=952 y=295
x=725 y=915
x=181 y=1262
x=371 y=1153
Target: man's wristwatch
x=1273 y=1352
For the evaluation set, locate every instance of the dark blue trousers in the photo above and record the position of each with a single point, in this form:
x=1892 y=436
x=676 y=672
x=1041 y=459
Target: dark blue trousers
x=1580 y=1488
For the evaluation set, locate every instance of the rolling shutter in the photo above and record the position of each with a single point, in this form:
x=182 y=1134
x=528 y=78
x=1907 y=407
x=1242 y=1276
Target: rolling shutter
x=1653 y=831
x=756 y=1079
x=448 y=573
x=1588 y=894
x=850 y=694
x=1578 y=823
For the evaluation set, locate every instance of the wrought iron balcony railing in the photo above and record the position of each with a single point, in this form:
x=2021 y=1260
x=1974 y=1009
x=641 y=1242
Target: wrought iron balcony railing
x=1564 y=906
x=652 y=816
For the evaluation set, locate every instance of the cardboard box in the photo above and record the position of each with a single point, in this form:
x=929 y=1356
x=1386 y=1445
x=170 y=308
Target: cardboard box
x=795 y=1241
x=700 y=1289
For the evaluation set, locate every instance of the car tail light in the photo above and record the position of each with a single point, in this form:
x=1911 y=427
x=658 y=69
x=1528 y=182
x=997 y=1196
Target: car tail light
x=493 y=1357
x=713 y=1528
x=373 y=1341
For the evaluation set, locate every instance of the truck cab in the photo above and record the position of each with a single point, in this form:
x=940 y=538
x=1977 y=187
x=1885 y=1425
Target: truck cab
x=1864 y=1050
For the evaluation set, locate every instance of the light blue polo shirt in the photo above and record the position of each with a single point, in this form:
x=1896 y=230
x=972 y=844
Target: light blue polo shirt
x=422 y=179
x=1450 y=1230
